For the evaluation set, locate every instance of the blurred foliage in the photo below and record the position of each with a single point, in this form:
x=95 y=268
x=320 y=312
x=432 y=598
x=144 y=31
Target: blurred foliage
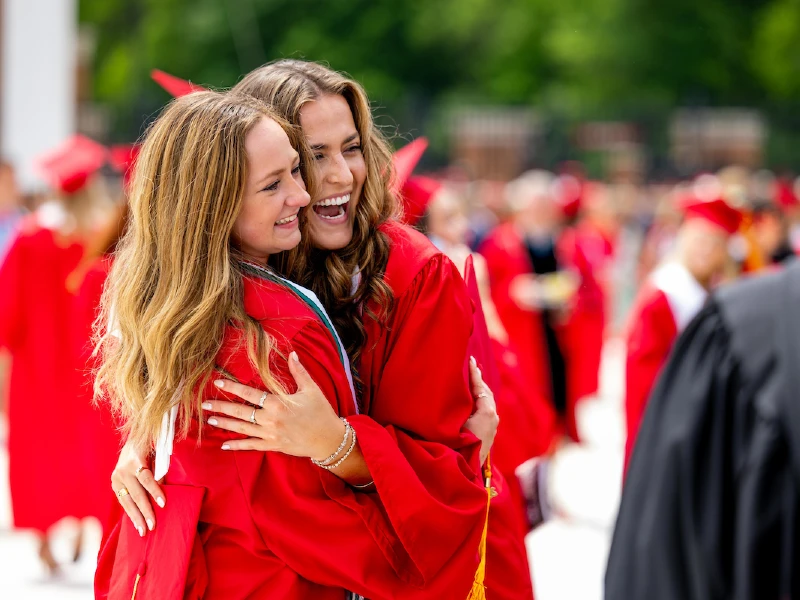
x=576 y=57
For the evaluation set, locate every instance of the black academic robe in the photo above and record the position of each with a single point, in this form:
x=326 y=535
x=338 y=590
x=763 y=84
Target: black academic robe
x=710 y=505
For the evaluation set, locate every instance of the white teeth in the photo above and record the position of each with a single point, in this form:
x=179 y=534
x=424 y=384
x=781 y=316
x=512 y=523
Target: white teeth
x=287 y=220
x=335 y=201
x=336 y=216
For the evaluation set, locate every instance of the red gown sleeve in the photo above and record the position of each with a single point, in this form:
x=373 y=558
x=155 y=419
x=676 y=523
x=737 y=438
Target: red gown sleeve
x=11 y=310
x=649 y=342
x=424 y=464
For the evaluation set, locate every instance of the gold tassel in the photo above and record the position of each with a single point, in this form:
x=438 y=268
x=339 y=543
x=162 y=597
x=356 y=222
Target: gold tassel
x=478 y=591
x=135 y=585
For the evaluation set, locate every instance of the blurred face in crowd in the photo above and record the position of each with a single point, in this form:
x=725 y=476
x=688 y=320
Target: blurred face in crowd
x=703 y=249
x=446 y=219
x=541 y=214
x=770 y=232
x=9 y=192
x=599 y=207
x=274 y=194
x=335 y=143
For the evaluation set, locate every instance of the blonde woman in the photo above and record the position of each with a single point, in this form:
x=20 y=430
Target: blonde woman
x=189 y=301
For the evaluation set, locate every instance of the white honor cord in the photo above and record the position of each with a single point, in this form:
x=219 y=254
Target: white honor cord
x=166 y=436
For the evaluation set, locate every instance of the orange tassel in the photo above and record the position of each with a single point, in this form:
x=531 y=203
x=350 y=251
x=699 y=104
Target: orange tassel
x=478 y=591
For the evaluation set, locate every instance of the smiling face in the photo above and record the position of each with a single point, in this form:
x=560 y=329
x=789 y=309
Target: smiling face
x=273 y=196
x=340 y=170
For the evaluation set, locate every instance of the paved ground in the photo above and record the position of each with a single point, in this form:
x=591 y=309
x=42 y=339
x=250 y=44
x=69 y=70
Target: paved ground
x=567 y=555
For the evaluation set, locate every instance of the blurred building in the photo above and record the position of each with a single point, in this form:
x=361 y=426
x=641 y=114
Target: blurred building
x=39 y=52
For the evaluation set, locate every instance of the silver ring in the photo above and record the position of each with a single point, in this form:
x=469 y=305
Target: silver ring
x=253 y=417
x=140 y=469
x=262 y=400
x=483 y=395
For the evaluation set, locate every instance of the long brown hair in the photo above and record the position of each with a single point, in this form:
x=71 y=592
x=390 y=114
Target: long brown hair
x=287 y=85
x=176 y=281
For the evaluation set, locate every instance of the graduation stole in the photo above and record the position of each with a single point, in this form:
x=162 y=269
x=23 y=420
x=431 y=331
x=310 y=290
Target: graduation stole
x=310 y=299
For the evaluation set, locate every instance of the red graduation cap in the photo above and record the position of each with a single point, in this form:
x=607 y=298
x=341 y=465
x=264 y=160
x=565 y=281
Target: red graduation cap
x=175 y=86
x=716 y=211
x=417 y=194
x=405 y=161
x=68 y=167
x=480 y=344
x=164 y=563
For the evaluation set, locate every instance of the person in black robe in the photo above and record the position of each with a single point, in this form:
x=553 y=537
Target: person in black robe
x=710 y=504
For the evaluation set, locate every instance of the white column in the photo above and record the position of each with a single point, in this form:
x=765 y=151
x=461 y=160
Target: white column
x=39 y=53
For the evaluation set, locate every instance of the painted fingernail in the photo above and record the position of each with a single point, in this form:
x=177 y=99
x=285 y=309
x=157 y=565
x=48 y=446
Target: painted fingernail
x=294 y=356
x=212 y=421
x=150 y=524
x=472 y=361
x=140 y=529
x=206 y=405
x=226 y=446
x=219 y=383
x=160 y=502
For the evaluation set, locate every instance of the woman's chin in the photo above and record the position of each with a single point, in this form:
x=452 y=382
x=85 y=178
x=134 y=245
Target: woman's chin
x=331 y=238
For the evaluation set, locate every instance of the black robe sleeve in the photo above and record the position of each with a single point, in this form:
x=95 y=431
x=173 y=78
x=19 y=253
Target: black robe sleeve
x=709 y=502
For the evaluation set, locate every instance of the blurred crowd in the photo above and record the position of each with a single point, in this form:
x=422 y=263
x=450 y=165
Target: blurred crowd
x=563 y=262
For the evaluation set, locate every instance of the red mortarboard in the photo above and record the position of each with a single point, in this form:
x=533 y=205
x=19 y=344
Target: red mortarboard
x=405 y=160
x=784 y=194
x=717 y=211
x=69 y=166
x=175 y=86
x=123 y=156
x=417 y=194
x=480 y=344
x=162 y=564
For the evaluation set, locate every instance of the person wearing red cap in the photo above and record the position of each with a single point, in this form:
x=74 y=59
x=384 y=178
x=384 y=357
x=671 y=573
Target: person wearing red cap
x=671 y=297
x=35 y=327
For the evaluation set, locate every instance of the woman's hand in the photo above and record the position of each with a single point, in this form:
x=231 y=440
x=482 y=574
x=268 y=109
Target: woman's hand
x=133 y=475
x=308 y=427
x=484 y=421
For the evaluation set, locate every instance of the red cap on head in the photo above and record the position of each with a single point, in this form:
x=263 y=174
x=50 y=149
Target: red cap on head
x=417 y=194
x=69 y=167
x=122 y=157
x=718 y=212
x=175 y=86
x=405 y=161
x=784 y=194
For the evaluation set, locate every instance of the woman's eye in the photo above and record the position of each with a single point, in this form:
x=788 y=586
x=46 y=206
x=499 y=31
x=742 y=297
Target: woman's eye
x=318 y=157
x=272 y=187
x=356 y=148
x=296 y=170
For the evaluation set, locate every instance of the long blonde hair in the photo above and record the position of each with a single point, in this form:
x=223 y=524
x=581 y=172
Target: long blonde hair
x=176 y=281
x=287 y=85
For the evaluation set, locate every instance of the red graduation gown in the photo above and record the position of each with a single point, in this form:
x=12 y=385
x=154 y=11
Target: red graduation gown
x=666 y=303
x=591 y=253
x=270 y=525
x=34 y=327
x=416 y=401
x=97 y=436
x=651 y=334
